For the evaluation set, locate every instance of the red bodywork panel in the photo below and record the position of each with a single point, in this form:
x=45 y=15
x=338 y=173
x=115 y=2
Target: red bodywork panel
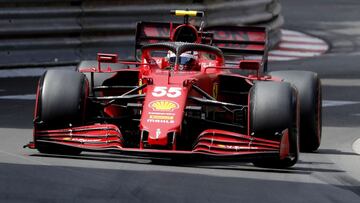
x=163 y=111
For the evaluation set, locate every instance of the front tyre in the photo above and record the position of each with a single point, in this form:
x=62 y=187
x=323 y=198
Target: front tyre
x=273 y=108
x=61 y=103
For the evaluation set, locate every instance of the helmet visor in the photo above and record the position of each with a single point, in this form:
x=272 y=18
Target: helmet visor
x=182 y=60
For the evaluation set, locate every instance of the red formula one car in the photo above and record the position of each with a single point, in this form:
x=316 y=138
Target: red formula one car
x=184 y=97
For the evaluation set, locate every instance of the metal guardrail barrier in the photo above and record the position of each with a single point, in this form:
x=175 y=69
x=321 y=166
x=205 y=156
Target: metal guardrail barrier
x=63 y=32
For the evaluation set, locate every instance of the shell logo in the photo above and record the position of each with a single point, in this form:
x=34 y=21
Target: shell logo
x=163 y=105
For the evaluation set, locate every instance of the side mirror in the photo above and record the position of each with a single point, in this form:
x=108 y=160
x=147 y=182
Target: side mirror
x=249 y=65
x=107 y=58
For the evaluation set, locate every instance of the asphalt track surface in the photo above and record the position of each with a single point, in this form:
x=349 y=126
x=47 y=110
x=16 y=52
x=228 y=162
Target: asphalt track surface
x=330 y=175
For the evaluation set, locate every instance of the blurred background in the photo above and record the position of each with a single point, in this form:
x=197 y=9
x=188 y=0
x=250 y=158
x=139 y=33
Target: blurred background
x=43 y=33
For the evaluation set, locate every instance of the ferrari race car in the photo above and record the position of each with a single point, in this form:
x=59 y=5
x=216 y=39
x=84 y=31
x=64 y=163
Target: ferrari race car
x=193 y=92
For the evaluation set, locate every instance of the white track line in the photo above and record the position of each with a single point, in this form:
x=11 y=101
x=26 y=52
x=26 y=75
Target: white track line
x=294 y=53
x=28 y=72
x=288 y=38
x=331 y=103
x=22 y=72
x=306 y=47
x=25 y=158
x=19 y=97
x=356 y=146
x=282 y=58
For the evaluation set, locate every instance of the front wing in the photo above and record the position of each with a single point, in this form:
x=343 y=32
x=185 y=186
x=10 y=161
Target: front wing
x=211 y=143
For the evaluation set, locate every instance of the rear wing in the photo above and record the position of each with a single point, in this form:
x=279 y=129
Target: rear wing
x=236 y=39
x=239 y=42
x=153 y=32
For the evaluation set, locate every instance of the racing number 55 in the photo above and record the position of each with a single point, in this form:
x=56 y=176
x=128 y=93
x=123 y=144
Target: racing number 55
x=172 y=92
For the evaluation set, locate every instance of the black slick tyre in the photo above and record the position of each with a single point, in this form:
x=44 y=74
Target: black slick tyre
x=309 y=88
x=273 y=108
x=61 y=104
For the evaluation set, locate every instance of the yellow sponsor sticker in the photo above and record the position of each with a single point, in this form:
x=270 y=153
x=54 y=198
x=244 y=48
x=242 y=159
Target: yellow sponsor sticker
x=187 y=13
x=163 y=105
x=183 y=13
x=215 y=90
x=140 y=83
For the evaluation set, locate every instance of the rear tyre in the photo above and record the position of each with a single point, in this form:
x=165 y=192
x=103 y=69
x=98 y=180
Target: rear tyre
x=60 y=104
x=309 y=88
x=273 y=108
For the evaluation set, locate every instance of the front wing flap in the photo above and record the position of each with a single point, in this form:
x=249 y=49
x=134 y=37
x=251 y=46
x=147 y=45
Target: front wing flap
x=211 y=143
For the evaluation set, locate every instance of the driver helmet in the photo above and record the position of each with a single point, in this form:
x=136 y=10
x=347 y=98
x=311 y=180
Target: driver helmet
x=186 y=60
